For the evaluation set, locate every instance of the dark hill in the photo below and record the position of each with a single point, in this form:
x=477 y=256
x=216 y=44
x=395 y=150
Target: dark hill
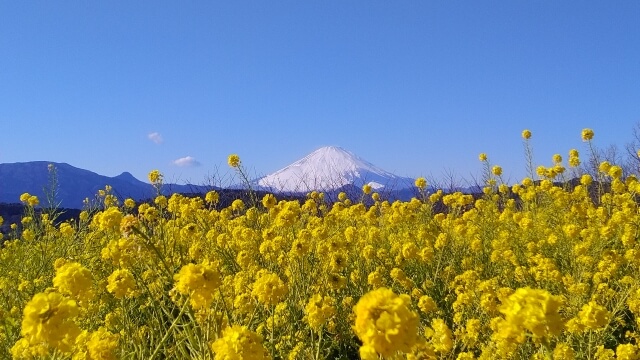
x=75 y=184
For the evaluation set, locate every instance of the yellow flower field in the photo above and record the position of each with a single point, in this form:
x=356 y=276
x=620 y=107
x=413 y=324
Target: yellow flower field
x=538 y=270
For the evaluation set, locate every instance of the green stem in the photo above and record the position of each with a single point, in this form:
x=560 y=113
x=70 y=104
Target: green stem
x=166 y=335
x=157 y=252
x=319 y=342
x=224 y=306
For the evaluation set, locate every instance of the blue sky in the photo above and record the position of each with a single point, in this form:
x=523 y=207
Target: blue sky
x=416 y=87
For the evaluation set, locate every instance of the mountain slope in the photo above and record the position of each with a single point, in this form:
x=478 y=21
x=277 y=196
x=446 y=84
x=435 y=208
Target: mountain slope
x=74 y=184
x=330 y=168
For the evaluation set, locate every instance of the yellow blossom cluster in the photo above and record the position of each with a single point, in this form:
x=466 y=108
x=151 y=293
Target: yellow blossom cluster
x=545 y=268
x=74 y=280
x=385 y=322
x=238 y=342
x=199 y=282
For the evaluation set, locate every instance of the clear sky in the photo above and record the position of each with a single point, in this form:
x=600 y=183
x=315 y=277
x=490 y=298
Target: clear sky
x=416 y=87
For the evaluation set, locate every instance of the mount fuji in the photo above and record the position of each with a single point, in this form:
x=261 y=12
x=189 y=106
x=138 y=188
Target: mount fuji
x=329 y=169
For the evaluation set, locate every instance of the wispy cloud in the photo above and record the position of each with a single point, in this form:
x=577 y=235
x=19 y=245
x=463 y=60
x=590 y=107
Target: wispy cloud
x=155 y=137
x=187 y=161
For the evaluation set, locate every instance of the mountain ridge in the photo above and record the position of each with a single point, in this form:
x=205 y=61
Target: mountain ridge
x=75 y=184
x=329 y=169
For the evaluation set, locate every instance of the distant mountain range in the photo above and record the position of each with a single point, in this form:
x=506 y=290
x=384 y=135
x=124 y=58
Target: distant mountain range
x=330 y=169
x=75 y=184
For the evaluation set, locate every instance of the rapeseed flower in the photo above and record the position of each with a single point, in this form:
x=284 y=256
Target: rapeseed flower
x=319 y=310
x=65 y=229
x=530 y=311
x=563 y=351
x=121 y=283
x=385 y=322
x=155 y=177
x=627 y=352
x=233 y=160
x=212 y=197
x=109 y=219
x=239 y=343
x=269 y=201
x=199 y=282
x=23 y=350
x=269 y=289
x=100 y=344
x=592 y=316
x=426 y=304
x=587 y=134
x=74 y=280
x=441 y=336
x=30 y=200
x=49 y=318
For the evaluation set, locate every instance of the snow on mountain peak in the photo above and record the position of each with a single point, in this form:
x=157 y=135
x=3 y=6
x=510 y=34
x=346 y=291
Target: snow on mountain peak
x=328 y=168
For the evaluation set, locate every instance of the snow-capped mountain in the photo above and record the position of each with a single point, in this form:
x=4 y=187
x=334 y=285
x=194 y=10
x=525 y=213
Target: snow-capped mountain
x=330 y=168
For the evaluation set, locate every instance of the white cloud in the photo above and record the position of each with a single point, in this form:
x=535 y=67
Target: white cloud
x=186 y=161
x=155 y=137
